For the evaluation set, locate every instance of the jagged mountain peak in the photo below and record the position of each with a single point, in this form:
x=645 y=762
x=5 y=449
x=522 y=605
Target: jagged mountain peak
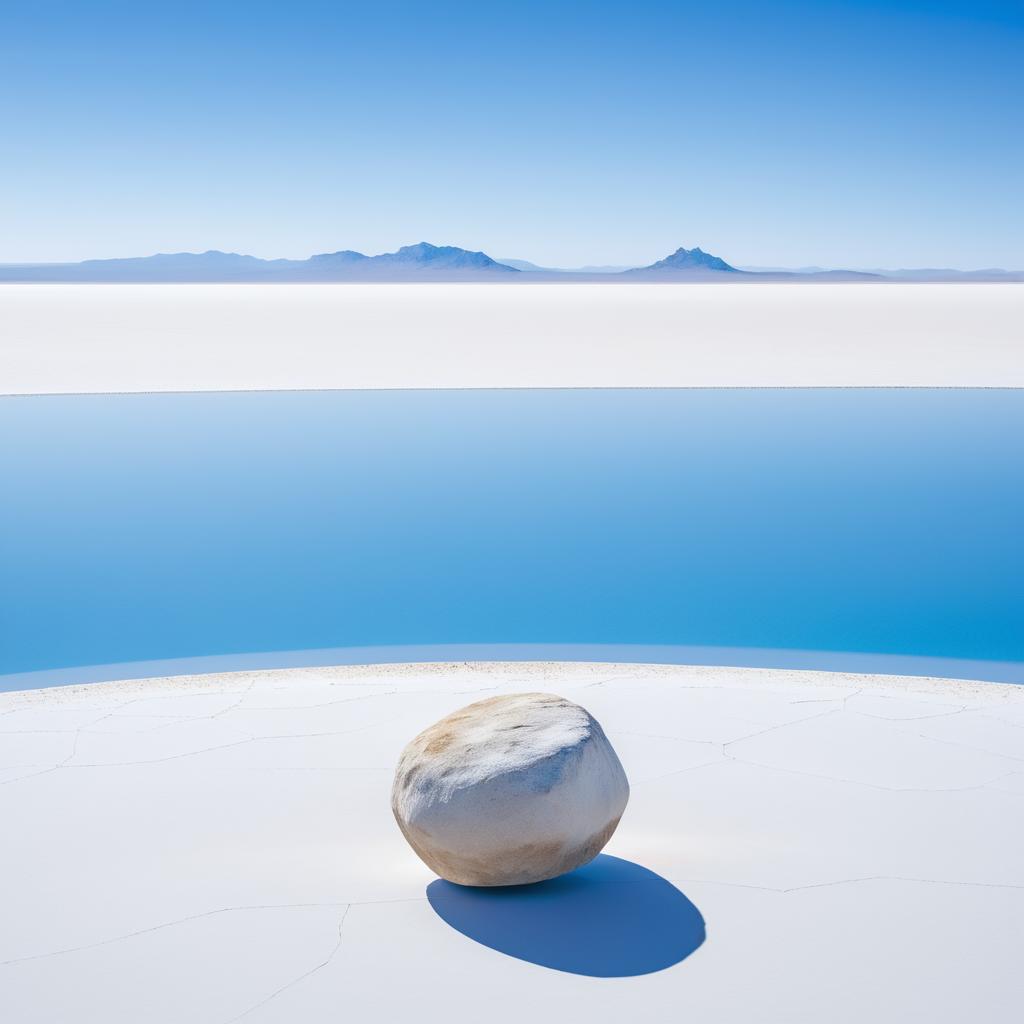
x=692 y=259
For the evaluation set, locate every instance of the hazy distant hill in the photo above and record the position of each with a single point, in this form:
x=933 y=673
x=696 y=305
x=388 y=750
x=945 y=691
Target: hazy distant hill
x=993 y=274
x=941 y=274
x=534 y=268
x=179 y=266
x=345 y=258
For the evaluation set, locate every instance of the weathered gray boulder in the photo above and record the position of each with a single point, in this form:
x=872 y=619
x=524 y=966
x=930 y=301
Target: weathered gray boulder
x=510 y=790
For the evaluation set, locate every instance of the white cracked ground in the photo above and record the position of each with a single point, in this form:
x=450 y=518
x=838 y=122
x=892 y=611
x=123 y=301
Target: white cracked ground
x=221 y=848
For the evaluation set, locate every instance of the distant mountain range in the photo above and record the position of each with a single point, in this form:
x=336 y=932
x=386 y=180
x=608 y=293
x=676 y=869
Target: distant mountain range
x=426 y=262
x=422 y=261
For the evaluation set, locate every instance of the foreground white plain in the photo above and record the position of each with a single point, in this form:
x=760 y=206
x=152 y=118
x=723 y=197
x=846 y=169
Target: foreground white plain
x=209 y=849
x=112 y=338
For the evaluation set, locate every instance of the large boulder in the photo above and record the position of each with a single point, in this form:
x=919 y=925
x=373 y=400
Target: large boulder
x=510 y=790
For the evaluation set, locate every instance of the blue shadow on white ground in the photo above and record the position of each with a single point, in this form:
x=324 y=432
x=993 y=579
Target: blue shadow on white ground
x=609 y=919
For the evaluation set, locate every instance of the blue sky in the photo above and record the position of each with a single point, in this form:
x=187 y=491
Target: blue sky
x=786 y=133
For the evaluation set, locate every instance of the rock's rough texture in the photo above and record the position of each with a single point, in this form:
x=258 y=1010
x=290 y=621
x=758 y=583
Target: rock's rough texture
x=510 y=790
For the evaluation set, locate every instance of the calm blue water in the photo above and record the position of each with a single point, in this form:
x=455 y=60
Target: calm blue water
x=137 y=528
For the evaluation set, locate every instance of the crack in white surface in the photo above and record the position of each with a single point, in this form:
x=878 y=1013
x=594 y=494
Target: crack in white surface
x=868 y=785
x=1007 y=792
x=988 y=784
x=665 y=736
x=604 y=682
x=679 y=771
x=37 y=732
x=834 y=778
x=969 y=746
x=727 y=755
x=910 y=718
x=34 y=775
x=174 y=720
x=325 y=704
x=776 y=728
x=302 y=977
x=160 y=927
x=998 y=718
x=220 y=746
x=248 y=908
x=49 y=768
x=65 y=766
x=722 y=744
x=348 y=905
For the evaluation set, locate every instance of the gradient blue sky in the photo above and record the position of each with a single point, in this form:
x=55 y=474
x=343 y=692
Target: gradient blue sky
x=790 y=133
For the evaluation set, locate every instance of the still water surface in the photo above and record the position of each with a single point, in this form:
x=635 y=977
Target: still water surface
x=148 y=527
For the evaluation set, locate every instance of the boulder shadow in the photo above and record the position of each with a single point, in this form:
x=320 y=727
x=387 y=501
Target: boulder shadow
x=609 y=919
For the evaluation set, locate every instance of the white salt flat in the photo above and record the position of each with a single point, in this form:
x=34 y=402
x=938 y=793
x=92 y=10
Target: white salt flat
x=215 y=848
